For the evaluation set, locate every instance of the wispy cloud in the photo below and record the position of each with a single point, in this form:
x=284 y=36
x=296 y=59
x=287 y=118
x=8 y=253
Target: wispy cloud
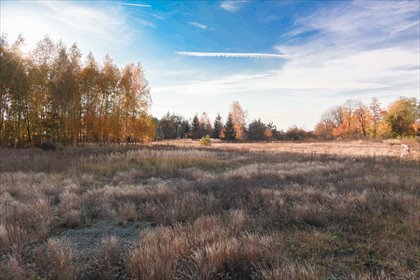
x=159 y=17
x=136 y=5
x=232 y=5
x=230 y=54
x=198 y=25
x=364 y=71
x=342 y=58
x=146 y=23
x=356 y=50
x=362 y=24
x=84 y=18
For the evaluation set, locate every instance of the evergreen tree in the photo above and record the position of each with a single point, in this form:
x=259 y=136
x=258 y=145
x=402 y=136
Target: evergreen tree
x=218 y=125
x=229 y=129
x=185 y=129
x=195 y=127
x=256 y=130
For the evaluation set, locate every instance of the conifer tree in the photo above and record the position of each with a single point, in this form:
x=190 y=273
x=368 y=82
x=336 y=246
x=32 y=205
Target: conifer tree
x=218 y=125
x=229 y=129
x=195 y=127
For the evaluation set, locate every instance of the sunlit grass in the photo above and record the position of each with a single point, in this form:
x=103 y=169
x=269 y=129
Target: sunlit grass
x=238 y=212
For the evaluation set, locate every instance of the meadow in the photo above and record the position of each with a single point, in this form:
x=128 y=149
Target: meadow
x=177 y=210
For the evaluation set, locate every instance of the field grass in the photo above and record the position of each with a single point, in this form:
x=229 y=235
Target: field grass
x=176 y=210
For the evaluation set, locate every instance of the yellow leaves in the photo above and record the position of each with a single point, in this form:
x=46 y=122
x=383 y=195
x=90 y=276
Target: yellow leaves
x=238 y=119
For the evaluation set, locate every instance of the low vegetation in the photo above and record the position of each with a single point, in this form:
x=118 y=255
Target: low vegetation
x=229 y=211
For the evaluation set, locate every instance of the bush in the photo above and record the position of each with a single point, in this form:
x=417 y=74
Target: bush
x=205 y=140
x=48 y=146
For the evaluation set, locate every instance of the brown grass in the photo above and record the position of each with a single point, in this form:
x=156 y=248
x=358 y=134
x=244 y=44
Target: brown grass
x=347 y=210
x=60 y=256
x=109 y=255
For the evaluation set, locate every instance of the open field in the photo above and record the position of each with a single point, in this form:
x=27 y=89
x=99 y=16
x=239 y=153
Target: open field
x=175 y=210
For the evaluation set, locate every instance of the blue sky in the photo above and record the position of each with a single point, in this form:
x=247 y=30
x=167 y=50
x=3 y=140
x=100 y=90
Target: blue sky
x=284 y=61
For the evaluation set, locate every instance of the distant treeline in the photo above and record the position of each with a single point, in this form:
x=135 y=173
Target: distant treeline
x=49 y=95
x=173 y=126
x=352 y=120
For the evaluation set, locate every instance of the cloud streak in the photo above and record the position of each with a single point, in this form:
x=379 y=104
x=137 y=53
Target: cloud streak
x=232 y=6
x=198 y=25
x=232 y=55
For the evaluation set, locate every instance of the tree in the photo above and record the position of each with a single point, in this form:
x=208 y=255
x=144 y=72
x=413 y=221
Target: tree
x=330 y=120
x=135 y=99
x=5 y=58
x=205 y=125
x=108 y=99
x=346 y=129
x=271 y=131
x=257 y=130
x=229 y=129
x=238 y=119
x=167 y=127
x=89 y=98
x=17 y=89
x=217 y=127
x=355 y=121
x=375 y=111
x=297 y=134
x=324 y=130
x=146 y=128
x=172 y=126
x=73 y=122
x=363 y=119
x=401 y=117
x=195 y=127
x=40 y=74
x=64 y=94
x=184 y=129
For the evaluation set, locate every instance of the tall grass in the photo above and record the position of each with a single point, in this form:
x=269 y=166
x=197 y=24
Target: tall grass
x=229 y=211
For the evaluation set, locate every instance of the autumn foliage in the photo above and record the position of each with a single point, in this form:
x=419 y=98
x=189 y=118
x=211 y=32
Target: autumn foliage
x=354 y=120
x=50 y=95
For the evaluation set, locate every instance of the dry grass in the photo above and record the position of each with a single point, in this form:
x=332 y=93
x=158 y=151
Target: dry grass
x=109 y=253
x=346 y=210
x=13 y=268
x=345 y=148
x=60 y=256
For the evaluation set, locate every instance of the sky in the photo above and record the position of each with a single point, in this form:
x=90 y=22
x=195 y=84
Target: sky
x=285 y=62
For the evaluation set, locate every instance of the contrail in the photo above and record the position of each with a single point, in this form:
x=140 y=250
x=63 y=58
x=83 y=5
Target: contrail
x=136 y=5
x=221 y=54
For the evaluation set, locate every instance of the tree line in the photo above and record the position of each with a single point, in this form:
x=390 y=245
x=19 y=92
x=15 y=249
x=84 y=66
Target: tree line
x=352 y=120
x=50 y=95
x=235 y=128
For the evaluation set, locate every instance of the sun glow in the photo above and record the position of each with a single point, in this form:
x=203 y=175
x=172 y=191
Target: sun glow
x=30 y=24
x=64 y=21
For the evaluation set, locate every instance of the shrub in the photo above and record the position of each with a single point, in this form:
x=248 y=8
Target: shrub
x=205 y=141
x=48 y=146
